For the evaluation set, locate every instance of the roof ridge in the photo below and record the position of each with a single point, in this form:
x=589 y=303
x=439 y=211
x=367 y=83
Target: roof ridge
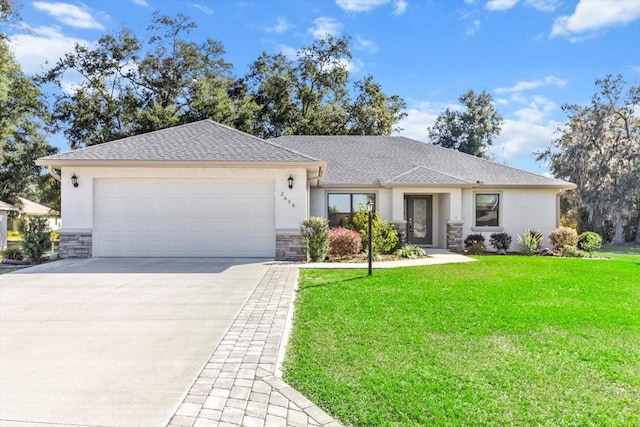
x=427 y=168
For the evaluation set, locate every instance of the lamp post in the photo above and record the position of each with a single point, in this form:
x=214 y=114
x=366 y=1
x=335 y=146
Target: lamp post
x=370 y=210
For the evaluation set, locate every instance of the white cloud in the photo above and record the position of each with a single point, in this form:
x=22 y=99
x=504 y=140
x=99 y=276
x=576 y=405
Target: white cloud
x=534 y=84
x=500 y=4
x=323 y=26
x=400 y=7
x=141 y=3
x=522 y=138
x=366 y=45
x=594 y=15
x=474 y=28
x=543 y=5
x=419 y=117
x=69 y=14
x=360 y=5
x=289 y=52
x=202 y=8
x=42 y=45
x=280 y=26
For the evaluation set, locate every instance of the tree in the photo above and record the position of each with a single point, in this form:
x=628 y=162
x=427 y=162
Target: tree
x=22 y=141
x=311 y=95
x=471 y=130
x=599 y=150
x=130 y=86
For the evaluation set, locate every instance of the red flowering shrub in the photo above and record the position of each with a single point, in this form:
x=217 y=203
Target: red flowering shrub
x=563 y=237
x=344 y=242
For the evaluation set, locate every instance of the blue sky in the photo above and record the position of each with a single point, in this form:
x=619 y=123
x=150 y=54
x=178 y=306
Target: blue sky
x=531 y=55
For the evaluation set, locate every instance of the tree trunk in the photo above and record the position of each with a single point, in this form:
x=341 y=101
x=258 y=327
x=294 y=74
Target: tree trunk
x=618 y=240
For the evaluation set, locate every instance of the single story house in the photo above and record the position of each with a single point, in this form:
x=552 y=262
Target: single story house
x=5 y=208
x=30 y=208
x=206 y=190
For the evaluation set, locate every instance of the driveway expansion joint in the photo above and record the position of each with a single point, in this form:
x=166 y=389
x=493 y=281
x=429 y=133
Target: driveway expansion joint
x=239 y=385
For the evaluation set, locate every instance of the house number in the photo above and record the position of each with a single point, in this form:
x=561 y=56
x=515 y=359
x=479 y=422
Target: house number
x=286 y=199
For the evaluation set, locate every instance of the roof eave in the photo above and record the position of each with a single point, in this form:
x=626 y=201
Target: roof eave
x=56 y=163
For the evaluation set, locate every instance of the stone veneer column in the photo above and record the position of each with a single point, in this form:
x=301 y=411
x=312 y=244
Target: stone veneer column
x=454 y=236
x=290 y=247
x=76 y=243
x=401 y=227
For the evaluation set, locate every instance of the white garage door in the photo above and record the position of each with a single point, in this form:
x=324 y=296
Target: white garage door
x=183 y=218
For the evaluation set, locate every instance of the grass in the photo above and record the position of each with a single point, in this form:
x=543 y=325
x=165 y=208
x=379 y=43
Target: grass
x=503 y=341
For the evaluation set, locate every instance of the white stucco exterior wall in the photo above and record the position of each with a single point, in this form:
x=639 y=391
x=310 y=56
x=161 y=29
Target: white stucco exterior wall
x=78 y=203
x=520 y=209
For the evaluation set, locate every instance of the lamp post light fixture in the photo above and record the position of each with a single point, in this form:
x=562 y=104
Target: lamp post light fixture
x=74 y=180
x=290 y=180
x=370 y=210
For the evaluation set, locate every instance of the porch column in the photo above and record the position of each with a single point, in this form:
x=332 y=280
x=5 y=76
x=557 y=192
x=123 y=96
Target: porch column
x=454 y=224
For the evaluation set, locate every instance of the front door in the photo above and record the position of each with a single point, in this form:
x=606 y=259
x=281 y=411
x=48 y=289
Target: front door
x=419 y=220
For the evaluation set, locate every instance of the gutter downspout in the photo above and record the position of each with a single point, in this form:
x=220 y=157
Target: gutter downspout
x=54 y=174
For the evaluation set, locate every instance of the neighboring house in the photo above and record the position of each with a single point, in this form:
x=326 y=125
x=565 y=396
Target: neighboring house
x=33 y=209
x=204 y=189
x=5 y=208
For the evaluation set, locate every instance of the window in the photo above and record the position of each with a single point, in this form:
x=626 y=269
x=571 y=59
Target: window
x=487 y=210
x=343 y=206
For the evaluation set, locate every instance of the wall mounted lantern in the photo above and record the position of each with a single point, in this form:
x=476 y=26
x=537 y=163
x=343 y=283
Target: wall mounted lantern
x=290 y=180
x=74 y=180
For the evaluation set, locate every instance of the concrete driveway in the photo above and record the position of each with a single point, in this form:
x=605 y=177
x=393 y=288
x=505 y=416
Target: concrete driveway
x=113 y=342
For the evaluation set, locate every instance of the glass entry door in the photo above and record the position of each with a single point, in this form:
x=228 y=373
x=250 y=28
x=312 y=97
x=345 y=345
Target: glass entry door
x=419 y=214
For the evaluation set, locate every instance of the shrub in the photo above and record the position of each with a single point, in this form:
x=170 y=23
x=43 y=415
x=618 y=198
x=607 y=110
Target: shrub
x=571 y=252
x=474 y=244
x=410 y=251
x=590 y=242
x=563 y=236
x=344 y=242
x=315 y=232
x=500 y=241
x=12 y=252
x=35 y=238
x=530 y=242
x=385 y=236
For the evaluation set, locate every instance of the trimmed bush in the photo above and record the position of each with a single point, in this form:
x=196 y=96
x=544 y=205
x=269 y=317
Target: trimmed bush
x=530 y=242
x=410 y=251
x=344 y=242
x=474 y=244
x=590 y=242
x=315 y=232
x=562 y=237
x=13 y=253
x=36 y=238
x=571 y=252
x=385 y=236
x=500 y=241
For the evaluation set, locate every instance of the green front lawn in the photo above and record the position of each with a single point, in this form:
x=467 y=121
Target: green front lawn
x=503 y=341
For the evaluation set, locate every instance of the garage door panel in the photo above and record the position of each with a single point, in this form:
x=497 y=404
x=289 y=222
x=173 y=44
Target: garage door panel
x=182 y=218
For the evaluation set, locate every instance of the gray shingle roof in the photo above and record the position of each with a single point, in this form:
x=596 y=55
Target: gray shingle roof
x=205 y=140
x=376 y=160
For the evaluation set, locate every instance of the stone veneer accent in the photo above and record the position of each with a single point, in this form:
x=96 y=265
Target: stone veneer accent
x=76 y=244
x=401 y=227
x=290 y=247
x=454 y=236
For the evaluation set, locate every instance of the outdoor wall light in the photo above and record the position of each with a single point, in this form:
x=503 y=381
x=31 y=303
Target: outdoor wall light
x=74 y=180
x=290 y=180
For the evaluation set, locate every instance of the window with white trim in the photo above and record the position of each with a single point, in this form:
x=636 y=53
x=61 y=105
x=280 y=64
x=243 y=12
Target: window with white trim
x=487 y=209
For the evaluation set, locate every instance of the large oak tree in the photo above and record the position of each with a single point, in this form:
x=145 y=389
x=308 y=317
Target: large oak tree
x=599 y=150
